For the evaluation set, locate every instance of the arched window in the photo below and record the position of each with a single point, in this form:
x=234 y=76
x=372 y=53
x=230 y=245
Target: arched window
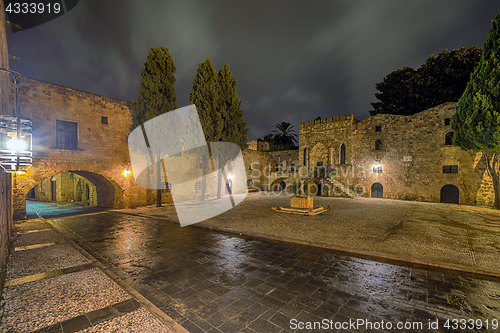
x=448 y=139
x=378 y=145
x=342 y=154
x=249 y=182
x=305 y=156
x=282 y=186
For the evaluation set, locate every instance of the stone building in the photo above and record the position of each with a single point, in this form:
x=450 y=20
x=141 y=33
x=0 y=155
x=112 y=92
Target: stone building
x=270 y=170
x=400 y=157
x=80 y=149
x=384 y=156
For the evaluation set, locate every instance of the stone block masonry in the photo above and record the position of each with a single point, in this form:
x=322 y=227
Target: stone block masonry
x=399 y=157
x=79 y=133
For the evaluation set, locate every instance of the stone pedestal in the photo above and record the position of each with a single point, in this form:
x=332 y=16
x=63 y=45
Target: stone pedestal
x=302 y=202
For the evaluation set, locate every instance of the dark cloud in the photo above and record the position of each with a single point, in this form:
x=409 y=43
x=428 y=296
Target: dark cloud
x=293 y=60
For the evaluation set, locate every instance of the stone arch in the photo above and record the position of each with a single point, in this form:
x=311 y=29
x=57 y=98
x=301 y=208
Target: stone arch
x=450 y=194
x=448 y=138
x=108 y=193
x=276 y=185
x=377 y=190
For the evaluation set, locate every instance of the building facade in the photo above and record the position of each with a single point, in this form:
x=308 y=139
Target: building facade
x=384 y=156
x=80 y=149
x=399 y=157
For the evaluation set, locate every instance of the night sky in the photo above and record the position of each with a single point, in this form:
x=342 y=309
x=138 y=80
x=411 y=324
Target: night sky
x=294 y=61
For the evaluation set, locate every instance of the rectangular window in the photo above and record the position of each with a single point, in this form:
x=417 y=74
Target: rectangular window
x=292 y=167
x=104 y=120
x=66 y=135
x=446 y=121
x=450 y=168
x=197 y=186
x=319 y=164
x=377 y=169
x=378 y=128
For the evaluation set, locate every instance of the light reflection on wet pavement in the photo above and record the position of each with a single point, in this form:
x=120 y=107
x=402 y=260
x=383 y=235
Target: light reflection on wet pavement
x=210 y=281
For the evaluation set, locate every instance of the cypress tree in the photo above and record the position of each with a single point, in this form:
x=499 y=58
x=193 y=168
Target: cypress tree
x=157 y=89
x=476 y=122
x=234 y=128
x=156 y=92
x=204 y=95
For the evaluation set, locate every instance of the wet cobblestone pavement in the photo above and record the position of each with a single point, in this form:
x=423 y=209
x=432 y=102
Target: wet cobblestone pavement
x=52 y=209
x=214 y=282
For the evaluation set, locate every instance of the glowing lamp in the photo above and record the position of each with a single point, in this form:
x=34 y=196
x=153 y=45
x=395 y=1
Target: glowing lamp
x=230 y=177
x=377 y=168
x=16 y=145
x=126 y=173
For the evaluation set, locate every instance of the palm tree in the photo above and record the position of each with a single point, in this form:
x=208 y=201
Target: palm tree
x=285 y=137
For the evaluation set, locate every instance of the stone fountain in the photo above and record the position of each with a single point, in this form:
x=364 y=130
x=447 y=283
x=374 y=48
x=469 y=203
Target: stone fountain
x=302 y=204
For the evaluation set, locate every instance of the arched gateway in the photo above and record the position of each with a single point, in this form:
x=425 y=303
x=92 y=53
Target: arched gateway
x=80 y=133
x=450 y=194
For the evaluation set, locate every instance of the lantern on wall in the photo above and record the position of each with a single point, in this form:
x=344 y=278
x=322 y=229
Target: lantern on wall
x=15 y=136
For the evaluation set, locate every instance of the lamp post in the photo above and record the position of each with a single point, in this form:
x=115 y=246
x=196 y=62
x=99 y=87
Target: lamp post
x=16 y=152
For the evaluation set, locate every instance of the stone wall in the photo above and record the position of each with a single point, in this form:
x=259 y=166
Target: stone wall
x=5 y=179
x=412 y=154
x=101 y=151
x=255 y=163
x=5 y=220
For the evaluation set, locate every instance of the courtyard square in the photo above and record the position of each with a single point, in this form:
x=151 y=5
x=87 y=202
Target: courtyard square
x=442 y=235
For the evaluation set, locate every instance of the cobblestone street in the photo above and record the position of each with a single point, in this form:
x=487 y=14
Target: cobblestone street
x=211 y=281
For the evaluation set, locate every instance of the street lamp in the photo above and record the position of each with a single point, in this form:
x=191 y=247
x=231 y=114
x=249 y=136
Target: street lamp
x=15 y=136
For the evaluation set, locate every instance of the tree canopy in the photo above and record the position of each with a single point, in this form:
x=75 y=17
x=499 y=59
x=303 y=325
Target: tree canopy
x=476 y=122
x=156 y=95
x=229 y=106
x=284 y=138
x=157 y=89
x=218 y=105
x=204 y=95
x=441 y=79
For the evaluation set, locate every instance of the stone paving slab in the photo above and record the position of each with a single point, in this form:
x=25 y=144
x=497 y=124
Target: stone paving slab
x=41 y=237
x=136 y=321
x=42 y=303
x=50 y=258
x=211 y=281
x=447 y=235
x=26 y=226
x=55 y=288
